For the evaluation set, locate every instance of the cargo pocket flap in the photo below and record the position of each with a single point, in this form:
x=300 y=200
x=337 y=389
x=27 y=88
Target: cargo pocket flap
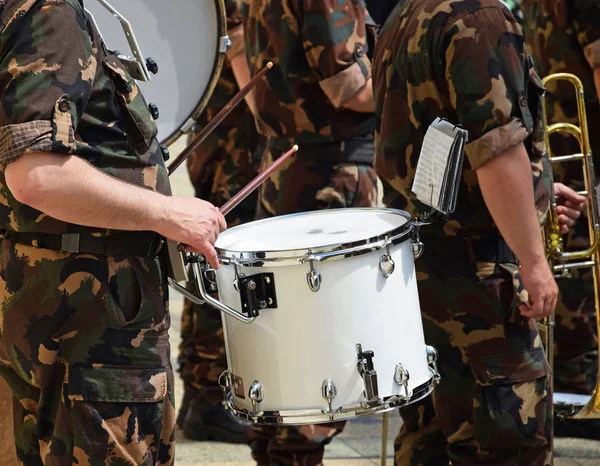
x=117 y=384
x=508 y=368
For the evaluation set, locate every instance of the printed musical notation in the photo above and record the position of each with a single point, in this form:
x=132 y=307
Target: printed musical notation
x=440 y=166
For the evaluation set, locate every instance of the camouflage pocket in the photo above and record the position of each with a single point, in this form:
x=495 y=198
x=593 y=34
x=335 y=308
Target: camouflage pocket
x=140 y=125
x=130 y=296
x=511 y=404
x=520 y=295
x=116 y=383
x=117 y=414
x=503 y=280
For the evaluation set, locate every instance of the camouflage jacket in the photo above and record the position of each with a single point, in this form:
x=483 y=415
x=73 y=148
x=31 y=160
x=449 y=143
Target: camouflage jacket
x=318 y=48
x=62 y=91
x=563 y=36
x=463 y=60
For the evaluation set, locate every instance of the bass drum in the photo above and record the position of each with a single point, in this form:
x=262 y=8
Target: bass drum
x=188 y=40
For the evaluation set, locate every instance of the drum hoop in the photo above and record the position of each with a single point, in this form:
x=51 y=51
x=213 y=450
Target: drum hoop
x=311 y=416
x=287 y=257
x=216 y=74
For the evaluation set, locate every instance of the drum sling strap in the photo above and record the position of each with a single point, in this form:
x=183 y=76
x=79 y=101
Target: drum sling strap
x=127 y=243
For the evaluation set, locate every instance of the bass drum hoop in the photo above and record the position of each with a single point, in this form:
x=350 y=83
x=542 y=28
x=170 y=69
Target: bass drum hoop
x=334 y=251
x=317 y=416
x=216 y=74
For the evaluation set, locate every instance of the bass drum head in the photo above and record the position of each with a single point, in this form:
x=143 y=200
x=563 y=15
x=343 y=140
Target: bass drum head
x=183 y=37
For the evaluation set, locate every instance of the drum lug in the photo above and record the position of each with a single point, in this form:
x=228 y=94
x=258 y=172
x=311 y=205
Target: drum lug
x=432 y=357
x=223 y=382
x=313 y=277
x=210 y=278
x=224 y=44
x=257 y=395
x=329 y=392
x=417 y=245
x=401 y=377
x=257 y=293
x=386 y=263
x=367 y=370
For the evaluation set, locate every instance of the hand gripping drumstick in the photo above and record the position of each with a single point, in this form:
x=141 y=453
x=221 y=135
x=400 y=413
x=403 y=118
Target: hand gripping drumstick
x=216 y=121
x=255 y=183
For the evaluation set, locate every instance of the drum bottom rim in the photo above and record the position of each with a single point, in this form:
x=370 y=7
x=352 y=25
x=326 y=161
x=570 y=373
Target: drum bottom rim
x=316 y=416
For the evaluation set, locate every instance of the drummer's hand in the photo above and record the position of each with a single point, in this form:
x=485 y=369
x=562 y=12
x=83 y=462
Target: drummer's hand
x=195 y=223
x=570 y=206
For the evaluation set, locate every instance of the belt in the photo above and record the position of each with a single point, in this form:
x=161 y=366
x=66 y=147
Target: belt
x=359 y=150
x=126 y=243
x=467 y=249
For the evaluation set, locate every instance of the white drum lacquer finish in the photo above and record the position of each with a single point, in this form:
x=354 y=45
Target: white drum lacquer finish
x=312 y=336
x=184 y=37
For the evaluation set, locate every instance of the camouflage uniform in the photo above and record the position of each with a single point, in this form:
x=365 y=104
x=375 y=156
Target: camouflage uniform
x=220 y=168
x=465 y=60
x=84 y=339
x=319 y=53
x=564 y=36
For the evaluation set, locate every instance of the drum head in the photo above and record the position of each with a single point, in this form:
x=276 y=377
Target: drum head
x=313 y=230
x=183 y=37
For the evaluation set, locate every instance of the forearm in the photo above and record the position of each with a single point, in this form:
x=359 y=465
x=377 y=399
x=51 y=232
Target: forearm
x=506 y=185
x=69 y=189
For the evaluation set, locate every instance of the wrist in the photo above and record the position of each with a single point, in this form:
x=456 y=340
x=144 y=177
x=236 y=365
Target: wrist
x=158 y=215
x=533 y=260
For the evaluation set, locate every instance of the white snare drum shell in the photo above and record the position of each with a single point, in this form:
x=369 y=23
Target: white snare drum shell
x=312 y=336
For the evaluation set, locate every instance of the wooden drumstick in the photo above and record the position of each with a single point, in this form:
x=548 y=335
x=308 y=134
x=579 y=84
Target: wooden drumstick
x=216 y=121
x=250 y=187
x=256 y=182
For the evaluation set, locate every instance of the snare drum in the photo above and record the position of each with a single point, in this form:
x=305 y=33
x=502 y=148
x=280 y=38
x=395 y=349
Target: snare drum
x=188 y=40
x=335 y=326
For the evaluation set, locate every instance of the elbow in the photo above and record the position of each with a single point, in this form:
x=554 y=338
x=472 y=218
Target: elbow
x=23 y=182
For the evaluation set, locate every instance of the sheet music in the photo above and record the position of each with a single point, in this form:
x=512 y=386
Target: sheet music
x=431 y=169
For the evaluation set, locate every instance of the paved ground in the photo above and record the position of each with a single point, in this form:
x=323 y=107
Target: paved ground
x=358 y=445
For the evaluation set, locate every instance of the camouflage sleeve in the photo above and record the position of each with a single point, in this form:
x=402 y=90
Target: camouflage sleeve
x=235 y=28
x=585 y=16
x=485 y=72
x=46 y=70
x=335 y=43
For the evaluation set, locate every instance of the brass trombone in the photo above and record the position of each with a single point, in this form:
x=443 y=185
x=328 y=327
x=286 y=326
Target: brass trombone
x=562 y=262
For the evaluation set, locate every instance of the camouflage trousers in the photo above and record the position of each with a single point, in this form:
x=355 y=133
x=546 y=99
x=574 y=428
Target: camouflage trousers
x=305 y=185
x=84 y=347
x=493 y=404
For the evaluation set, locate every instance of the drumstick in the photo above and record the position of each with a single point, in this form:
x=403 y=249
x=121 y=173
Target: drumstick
x=216 y=121
x=256 y=182
x=250 y=187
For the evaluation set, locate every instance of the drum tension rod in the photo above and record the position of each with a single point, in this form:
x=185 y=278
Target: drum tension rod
x=366 y=369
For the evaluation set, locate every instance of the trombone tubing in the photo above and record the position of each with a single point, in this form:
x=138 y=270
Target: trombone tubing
x=558 y=258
